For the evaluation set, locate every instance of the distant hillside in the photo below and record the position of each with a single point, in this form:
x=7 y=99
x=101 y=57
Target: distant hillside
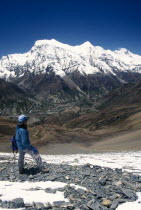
x=128 y=94
x=13 y=99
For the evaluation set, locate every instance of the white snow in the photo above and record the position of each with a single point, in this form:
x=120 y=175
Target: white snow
x=33 y=191
x=63 y=57
x=26 y=190
x=128 y=161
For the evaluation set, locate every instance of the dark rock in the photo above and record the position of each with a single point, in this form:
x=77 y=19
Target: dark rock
x=51 y=178
x=95 y=205
x=18 y=202
x=58 y=203
x=49 y=190
x=81 y=191
x=86 y=173
x=130 y=185
x=61 y=189
x=129 y=193
x=114 y=204
x=102 y=182
x=38 y=205
x=113 y=197
x=118 y=170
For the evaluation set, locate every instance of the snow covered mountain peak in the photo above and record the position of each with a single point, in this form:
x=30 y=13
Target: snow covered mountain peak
x=51 y=42
x=85 y=58
x=46 y=41
x=123 y=51
x=87 y=44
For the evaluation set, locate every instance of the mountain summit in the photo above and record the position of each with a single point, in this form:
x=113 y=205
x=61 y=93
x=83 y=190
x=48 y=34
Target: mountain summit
x=59 y=73
x=86 y=59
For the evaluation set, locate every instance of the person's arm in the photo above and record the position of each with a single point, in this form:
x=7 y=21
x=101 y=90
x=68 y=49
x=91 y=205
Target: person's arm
x=25 y=139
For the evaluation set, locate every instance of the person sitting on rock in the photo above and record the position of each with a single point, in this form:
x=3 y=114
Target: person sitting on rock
x=24 y=146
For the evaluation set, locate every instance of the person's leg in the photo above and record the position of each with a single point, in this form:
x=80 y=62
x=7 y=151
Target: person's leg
x=21 y=161
x=36 y=157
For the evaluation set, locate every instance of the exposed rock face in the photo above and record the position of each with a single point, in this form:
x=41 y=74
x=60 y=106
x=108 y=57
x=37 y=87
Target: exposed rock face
x=58 y=73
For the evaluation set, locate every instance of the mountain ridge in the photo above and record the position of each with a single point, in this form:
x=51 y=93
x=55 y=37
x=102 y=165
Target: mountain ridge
x=88 y=59
x=57 y=73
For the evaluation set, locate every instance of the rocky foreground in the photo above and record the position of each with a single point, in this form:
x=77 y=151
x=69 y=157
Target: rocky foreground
x=100 y=188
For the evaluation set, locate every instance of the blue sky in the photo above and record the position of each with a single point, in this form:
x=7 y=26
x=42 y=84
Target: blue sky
x=111 y=24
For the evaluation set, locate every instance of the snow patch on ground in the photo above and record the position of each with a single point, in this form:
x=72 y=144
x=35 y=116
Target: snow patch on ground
x=27 y=191
x=33 y=191
x=128 y=161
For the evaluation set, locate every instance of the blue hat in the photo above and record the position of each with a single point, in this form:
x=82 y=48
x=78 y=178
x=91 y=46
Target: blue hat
x=22 y=118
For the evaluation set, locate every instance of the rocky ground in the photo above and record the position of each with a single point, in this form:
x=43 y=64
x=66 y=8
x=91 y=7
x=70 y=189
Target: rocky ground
x=100 y=188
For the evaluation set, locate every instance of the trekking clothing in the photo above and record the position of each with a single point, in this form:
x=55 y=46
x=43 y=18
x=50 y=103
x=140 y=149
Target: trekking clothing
x=22 y=138
x=24 y=146
x=36 y=157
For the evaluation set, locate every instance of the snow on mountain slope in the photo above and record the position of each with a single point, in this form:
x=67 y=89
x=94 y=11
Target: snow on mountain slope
x=85 y=58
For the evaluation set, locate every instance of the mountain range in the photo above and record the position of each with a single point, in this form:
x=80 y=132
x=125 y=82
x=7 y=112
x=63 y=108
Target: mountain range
x=53 y=73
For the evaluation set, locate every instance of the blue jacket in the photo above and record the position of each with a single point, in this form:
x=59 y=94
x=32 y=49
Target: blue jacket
x=22 y=138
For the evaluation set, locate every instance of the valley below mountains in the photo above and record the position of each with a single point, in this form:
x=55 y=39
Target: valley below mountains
x=84 y=96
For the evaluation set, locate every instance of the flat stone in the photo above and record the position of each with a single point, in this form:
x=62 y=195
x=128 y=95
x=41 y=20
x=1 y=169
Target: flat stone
x=51 y=178
x=86 y=173
x=106 y=202
x=73 y=198
x=18 y=202
x=58 y=203
x=114 y=204
x=119 y=183
x=81 y=191
x=38 y=205
x=67 y=205
x=95 y=206
x=49 y=190
x=114 y=196
x=61 y=189
x=27 y=205
x=130 y=185
x=128 y=193
x=121 y=200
